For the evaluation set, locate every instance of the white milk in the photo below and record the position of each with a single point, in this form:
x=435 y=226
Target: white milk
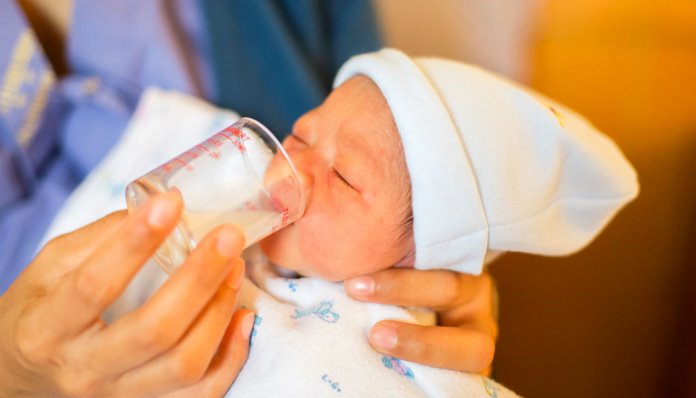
x=256 y=224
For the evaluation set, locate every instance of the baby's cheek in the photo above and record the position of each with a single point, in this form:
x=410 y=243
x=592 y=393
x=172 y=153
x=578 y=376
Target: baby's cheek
x=281 y=248
x=339 y=256
x=319 y=243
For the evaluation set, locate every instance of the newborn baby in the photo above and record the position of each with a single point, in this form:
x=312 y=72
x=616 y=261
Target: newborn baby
x=422 y=163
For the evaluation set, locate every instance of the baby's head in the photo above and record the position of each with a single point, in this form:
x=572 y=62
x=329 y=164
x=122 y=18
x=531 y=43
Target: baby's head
x=358 y=216
x=432 y=163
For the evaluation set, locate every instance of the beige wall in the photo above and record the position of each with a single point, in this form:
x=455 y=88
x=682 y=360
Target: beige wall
x=618 y=319
x=496 y=34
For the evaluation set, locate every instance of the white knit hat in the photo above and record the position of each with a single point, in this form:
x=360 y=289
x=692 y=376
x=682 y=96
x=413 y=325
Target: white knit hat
x=494 y=166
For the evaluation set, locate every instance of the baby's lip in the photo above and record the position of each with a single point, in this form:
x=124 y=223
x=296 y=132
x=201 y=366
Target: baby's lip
x=284 y=188
x=284 y=197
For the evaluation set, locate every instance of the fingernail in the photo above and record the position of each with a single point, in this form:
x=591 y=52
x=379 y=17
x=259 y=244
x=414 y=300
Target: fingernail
x=226 y=244
x=362 y=286
x=162 y=211
x=383 y=337
x=236 y=276
x=248 y=324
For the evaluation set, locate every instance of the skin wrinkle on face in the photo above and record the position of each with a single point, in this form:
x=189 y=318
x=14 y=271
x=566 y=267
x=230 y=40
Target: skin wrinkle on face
x=346 y=232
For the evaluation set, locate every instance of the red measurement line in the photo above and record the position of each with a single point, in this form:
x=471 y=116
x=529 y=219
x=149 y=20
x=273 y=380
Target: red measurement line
x=205 y=149
x=225 y=136
x=215 y=141
x=236 y=132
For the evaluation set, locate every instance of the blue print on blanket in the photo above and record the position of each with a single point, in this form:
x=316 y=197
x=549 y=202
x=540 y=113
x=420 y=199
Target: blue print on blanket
x=398 y=366
x=292 y=285
x=323 y=311
x=257 y=322
x=333 y=384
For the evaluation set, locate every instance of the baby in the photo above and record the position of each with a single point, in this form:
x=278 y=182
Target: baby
x=422 y=163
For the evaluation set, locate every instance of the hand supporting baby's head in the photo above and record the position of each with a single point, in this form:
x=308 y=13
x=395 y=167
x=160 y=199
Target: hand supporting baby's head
x=358 y=216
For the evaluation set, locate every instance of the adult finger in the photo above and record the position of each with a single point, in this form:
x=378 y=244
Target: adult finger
x=194 y=360
x=161 y=322
x=409 y=287
x=469 y=350
x=62 y=254
x=227 y=363
x=232 y=355
x=103 y=276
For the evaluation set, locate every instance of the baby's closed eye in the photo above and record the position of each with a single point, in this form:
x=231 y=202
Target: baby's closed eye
x=338 y=175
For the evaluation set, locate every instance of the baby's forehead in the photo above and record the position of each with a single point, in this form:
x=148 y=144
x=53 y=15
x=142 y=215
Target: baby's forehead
x=370 y=128
x=380 y=145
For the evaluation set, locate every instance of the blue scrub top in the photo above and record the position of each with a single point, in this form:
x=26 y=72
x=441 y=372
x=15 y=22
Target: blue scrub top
x=269 y=59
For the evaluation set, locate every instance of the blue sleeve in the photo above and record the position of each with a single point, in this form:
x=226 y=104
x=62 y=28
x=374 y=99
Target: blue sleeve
x=51 y=138
x=354 y=29
x=276 y=59
x=30 y=108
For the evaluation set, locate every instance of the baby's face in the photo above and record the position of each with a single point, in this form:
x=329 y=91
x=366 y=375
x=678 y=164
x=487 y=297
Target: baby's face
x=350 y=160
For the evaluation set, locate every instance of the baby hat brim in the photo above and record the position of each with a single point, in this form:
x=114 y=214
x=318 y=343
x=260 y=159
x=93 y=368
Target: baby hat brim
x=494 y=166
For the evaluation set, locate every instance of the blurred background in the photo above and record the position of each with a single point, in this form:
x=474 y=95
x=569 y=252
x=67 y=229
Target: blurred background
x=619 y=318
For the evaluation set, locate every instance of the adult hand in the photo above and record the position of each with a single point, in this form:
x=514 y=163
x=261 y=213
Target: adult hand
x=465 y=305
x=183 y=341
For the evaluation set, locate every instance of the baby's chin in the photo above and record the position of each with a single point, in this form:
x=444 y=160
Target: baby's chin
x=282 y=252
x=287 y=257
x=288 y=249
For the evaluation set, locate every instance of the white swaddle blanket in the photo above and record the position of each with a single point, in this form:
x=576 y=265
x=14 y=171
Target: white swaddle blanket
x=309 y=339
